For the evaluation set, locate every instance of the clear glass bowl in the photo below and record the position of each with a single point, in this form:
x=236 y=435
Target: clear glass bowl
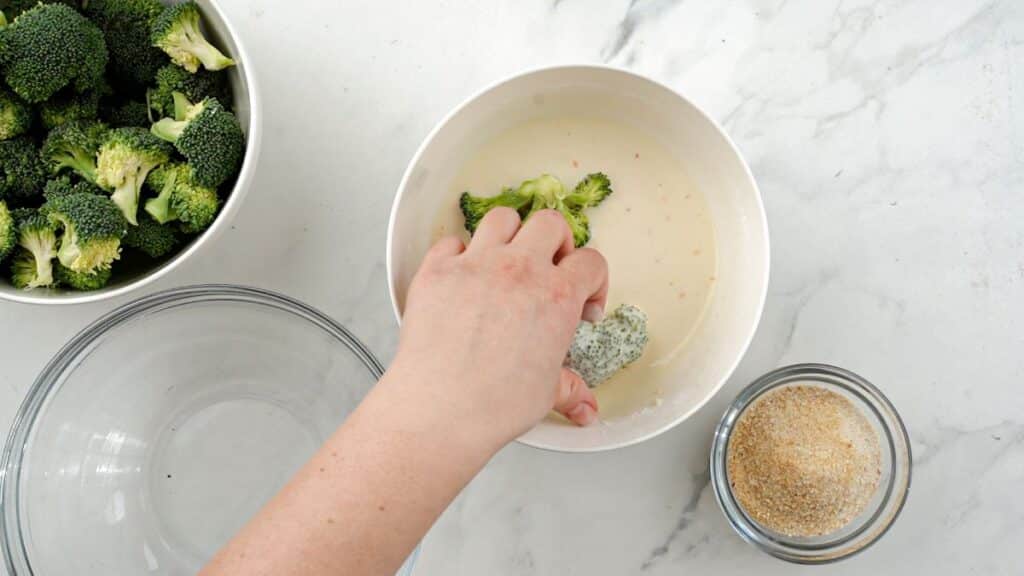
x=161 y=428
x=893 y=485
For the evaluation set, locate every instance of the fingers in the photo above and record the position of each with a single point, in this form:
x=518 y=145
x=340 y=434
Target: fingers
x=589 y=272
x=546 y=233
x=574 y=400
x=498 y=227
x=446 y=247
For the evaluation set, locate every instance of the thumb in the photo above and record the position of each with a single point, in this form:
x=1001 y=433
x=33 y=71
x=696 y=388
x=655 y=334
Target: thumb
x=575 y=401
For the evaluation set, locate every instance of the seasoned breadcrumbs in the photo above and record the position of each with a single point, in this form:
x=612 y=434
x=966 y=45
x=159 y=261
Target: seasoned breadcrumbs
x=803 y=461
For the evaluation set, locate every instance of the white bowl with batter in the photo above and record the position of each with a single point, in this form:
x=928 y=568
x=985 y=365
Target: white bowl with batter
x=684 y=232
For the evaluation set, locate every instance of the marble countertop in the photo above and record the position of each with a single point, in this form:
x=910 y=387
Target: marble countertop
x=888 y=141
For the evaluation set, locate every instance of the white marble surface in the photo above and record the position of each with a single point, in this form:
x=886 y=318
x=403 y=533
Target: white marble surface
x=888 y=140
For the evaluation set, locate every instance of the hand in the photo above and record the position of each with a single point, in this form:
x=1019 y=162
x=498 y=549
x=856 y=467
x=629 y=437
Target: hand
x=487 y=327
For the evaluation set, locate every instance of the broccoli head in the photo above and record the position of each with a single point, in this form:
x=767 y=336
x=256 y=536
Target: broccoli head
x=126 y=27
x=69 y=107
x=180 y=197
x=22 y=173
x=125 y=159
x=151 y=238
x=37 y=240
x=130 y=113
x=74 y=145
x=92 y=230
x=195 y=87
x=600 y=350
x=8 y=231
x=15 y=115
x=48 y=48
x=207 y=135
x=15 y=7
x=63 y=186
x=83 y=281
x=176 y=31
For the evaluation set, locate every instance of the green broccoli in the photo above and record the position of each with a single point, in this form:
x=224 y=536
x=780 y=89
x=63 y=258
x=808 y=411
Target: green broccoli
x=22 y=173
x=150 y=237
x=92 y=230
x=600 y=350
x=126 y=27
x=180 y=197
x=173 y=78
x=15 y=7
x=63 y=186
x=74 y=145
x=541 y=193
x=83 y=281
x=37 y=238
x=49 y=47
x=15 y=115
x=130 y=113
x=177 y=32
x=125 y=159
x=69 y=107
x=8 y=231
x=207 y=135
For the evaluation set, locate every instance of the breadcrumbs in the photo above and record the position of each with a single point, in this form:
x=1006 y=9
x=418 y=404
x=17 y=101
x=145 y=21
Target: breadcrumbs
x=803 y=461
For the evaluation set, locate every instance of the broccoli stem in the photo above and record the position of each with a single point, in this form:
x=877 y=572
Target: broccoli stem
x=82 y=163
x=69 y=250
x=126 y=196
x=160 y=207
x=168 y=129
x=43 y=252
x=197 y=44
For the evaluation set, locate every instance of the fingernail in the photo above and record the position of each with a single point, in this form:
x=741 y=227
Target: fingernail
x=592 y=313
x=583 y=414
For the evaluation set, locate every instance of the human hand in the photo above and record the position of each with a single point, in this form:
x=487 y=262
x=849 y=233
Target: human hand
x=486 y=327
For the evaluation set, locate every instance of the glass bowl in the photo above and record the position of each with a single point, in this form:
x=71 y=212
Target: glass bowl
x=885 y=504
x=161 y=428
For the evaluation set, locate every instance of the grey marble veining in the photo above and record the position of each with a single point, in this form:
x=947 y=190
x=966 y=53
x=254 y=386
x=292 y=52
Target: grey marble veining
x=888 y=140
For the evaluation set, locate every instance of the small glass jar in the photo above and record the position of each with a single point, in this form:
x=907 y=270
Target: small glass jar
x=885 y=504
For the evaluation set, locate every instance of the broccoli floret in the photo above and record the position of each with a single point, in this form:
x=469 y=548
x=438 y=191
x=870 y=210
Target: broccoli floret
x=131 y=113
x=49 y=47
x=74 y=145
x=590 y=192
x=37 y=239
x=15 y=115
x=63 y=186
x=475 y=207
x=8 y=231
x=69 y=107
x=151 y=238
x=126 y=26
x=125 y=159
x=172 y=78
x=600 y=350
x=93 y=227
x=176 y=31
x=207 y=135
x=180 y=197
x=15 y=7
x=22 y=173
x=83 y=281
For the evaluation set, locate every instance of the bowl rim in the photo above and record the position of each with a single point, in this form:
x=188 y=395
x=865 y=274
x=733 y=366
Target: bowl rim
x=227 y=212
x=635 y=76
x=898 y=441
x=12 y=542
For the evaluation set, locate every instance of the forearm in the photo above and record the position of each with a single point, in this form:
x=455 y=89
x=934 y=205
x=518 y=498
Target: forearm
x=369 y=495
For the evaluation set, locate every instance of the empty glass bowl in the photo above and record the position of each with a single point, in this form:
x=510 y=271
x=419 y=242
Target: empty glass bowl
x=160 y=429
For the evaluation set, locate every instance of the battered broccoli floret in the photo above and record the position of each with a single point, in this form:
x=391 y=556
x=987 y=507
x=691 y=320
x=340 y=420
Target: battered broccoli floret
x=172 y=78
x=150 y=237
x=181 y=198
x=600 y=350
x=176 y=31
x=37 y=240
x=207 y=135
x=8 y=231
x=15 y=115
x=69 y=107
x=83 y=281
x=49 y=47
x=63 y=186
x=125 y=159
x=74 y=145
x=92 y=230
x=126 y=26
x=22 y=173
x=131 y=113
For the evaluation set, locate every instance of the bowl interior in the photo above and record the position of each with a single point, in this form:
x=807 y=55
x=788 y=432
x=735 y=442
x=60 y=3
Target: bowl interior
x=695 y=142
x=134 y=270
x=162 y=429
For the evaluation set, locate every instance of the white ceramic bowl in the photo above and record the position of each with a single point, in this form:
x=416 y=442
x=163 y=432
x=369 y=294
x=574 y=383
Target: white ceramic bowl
x=708 y=157
x=130 y=276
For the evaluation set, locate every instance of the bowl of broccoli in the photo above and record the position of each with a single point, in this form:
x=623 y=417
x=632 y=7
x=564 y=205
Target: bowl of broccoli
x=129 y=131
